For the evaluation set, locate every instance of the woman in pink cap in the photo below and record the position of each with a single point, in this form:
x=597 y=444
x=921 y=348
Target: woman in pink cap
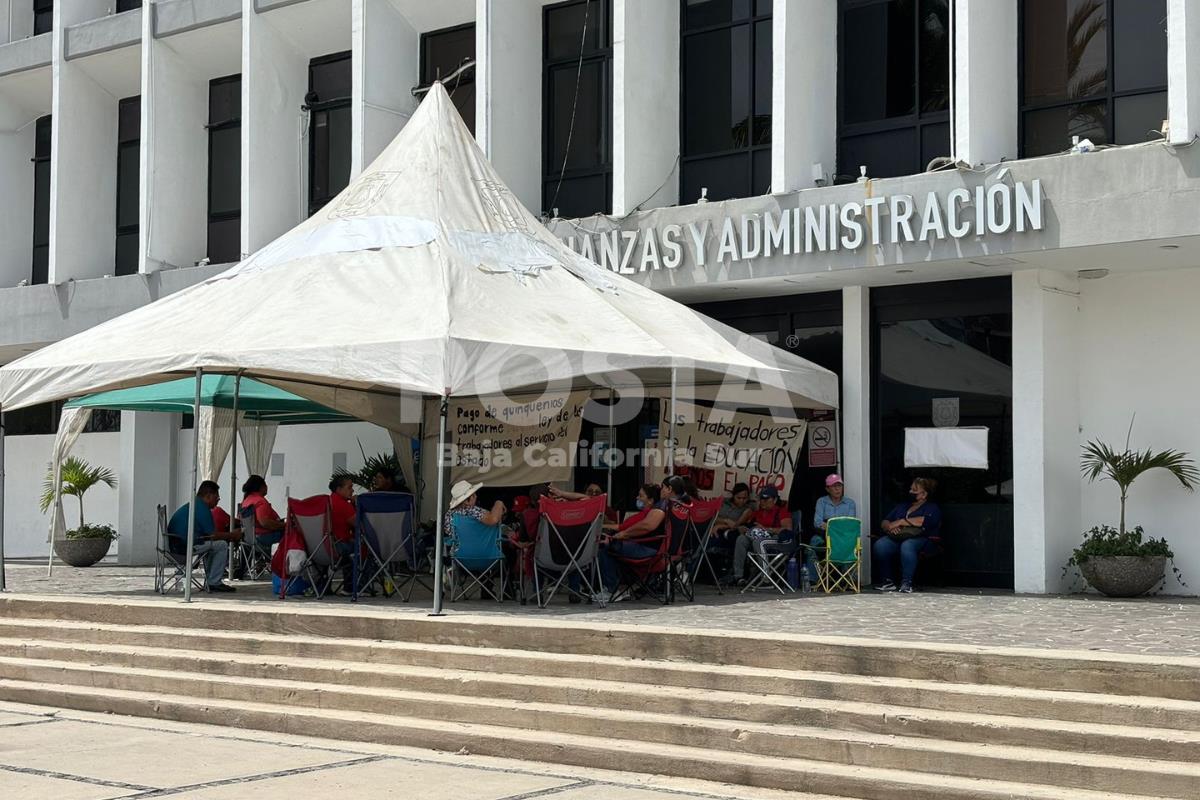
x=833 y=504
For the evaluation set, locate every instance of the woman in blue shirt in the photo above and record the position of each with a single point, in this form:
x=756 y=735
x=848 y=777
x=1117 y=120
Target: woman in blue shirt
x=909 y=529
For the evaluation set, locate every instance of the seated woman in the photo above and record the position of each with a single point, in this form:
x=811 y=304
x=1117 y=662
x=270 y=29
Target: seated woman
x=625 y=543
x=342 y=516
x=647 y=498
x=463 y=497
x=735 y=514
x=268 y=527
x=769 y=520
x=907 y=530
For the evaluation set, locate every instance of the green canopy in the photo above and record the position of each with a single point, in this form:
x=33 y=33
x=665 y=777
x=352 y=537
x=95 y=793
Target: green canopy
x=259 y=400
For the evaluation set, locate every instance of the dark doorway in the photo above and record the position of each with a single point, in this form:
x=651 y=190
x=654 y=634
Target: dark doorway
x=951 y=342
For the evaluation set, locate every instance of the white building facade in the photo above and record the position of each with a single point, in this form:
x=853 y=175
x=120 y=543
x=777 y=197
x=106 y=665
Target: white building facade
x=977 y=212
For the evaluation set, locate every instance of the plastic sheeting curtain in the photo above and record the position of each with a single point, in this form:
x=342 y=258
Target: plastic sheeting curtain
x=258 y=442
x=70 y=425
x=216 y=440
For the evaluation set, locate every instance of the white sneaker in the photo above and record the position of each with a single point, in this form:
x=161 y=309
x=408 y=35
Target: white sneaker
x=602 y=598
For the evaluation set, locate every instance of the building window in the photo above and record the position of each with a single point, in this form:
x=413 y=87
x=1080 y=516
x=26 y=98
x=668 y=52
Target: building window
x=725 y=107
x=893 y=86
x=42 y=420
x=1096 y=69
x=576 y=112
x=41 y=202
x=443 y=53
x=225 y=170
x=128 y=5
x=129 y=137
x=43 y=16
x=328 y=100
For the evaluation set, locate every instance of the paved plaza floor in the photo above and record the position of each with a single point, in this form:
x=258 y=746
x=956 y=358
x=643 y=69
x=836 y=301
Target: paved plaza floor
x=74 y=755
x=1167 y=626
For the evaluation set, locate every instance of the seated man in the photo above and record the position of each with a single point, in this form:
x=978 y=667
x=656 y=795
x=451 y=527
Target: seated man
x=834 y=504
x=342 y=518
x=213 y=544
x=770 y=520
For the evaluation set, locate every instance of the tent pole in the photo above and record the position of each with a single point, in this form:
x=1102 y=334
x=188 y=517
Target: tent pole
x=3 y=587
x=611 y=441
x=418 y=487
x=191 y=536
x=233 y=504
x=443 y=412
x=671 y=429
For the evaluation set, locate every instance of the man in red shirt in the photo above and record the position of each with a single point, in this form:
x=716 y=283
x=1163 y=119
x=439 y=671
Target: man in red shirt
x=342 y=517
x=771 y=520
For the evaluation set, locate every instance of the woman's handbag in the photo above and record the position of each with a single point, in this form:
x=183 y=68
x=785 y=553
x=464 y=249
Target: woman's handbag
x=902 y=532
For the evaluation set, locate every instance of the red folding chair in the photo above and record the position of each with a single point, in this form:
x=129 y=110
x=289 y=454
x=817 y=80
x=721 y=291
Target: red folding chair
x=567 y=542
x=700 y=524
x=652 y=575
x=312 y=518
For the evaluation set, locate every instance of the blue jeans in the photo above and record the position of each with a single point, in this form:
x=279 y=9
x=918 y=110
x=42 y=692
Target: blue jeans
x=610 y=569
x=266 y=540
x=216 y=556
x=886 y=549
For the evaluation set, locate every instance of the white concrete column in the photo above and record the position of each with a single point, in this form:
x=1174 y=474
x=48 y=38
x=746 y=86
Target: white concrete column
x=508 y=110
x=856 y=407
x=274 y=132
x=985 y=80
x=143 y=481
x=803 y=94
x=645 y=105
x=1046 y=486
x=385 y=59
x=1183 y=70
x=83 y=153
x=174 y=157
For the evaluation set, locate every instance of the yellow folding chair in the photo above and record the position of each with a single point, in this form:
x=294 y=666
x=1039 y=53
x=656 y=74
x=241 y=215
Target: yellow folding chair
x=840 y=565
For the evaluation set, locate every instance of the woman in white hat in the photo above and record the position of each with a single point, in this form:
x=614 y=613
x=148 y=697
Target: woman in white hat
x=462 y=502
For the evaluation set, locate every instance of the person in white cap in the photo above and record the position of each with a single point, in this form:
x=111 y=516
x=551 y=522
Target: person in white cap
x=833 y=504
x=462 y=502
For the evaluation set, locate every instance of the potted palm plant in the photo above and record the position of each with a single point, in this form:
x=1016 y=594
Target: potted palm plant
x=87 y=544
x=1121 y=562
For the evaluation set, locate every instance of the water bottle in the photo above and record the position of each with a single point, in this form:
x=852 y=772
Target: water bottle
x=793 y=573
x=806 y=585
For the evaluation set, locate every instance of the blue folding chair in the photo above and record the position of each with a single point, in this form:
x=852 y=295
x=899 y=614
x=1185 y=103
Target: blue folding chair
x=386 y=532
x=476 y=559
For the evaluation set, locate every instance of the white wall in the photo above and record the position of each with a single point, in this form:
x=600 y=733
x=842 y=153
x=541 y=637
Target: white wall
x=26 y=458
x=16 y=205
x=174 y=155
x=274 y=82
x=508 y=120
x=386 y=65
x=1138 y=333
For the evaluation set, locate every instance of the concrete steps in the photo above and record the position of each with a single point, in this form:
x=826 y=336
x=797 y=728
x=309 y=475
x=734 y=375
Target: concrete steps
x=724 y=706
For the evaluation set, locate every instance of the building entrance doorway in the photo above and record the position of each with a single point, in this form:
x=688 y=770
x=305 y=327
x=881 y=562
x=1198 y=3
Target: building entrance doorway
x=943 y=358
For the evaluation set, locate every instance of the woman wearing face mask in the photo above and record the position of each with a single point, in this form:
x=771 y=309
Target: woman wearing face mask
x=908 y=529
x=647 y=498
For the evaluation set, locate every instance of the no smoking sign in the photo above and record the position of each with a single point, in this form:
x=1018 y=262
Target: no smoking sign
x=822 y=444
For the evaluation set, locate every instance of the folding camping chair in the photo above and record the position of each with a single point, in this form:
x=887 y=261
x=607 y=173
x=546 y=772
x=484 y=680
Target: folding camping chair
x=475 y=557
x=386 y=532
x=170 y=568
x=840 y=565
x=651 y=575
x=568 y=539
x=769 y=556
x=703 y=517
x=681 y=550
x=312 y=517
x=256 y=559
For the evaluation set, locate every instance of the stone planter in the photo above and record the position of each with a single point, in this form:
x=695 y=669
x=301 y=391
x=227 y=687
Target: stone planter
x=81 y=552
x=1124 y=576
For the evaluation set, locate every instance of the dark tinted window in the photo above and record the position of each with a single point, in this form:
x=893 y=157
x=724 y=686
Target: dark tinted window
x=224 y=169
x=43 y=420
x=1095 y=69
x=329 y=128
x=894 y=86
x=442 y=53
x=577 y=135
x=726 y=61
x=40 y=271
x=43 y=15
x=128 y=5
x=129 y=133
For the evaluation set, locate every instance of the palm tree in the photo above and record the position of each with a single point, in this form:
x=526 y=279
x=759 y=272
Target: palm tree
x=77 y=477
x=1101 y=462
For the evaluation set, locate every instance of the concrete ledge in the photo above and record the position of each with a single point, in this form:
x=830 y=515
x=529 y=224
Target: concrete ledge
x=104 y=34
x=180 y=16
x=23 y=54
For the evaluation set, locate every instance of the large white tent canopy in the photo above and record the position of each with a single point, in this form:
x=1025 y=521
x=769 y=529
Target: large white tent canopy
x=424 y=277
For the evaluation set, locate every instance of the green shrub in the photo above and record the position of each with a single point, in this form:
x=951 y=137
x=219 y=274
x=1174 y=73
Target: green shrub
x=93 y=532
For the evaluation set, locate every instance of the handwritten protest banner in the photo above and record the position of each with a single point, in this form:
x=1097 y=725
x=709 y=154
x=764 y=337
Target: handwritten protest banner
x=503 y=442
x=718 y=448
